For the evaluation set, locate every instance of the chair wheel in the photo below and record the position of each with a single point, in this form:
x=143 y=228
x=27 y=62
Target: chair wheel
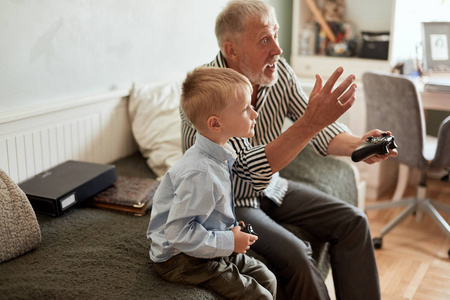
x=378 y=243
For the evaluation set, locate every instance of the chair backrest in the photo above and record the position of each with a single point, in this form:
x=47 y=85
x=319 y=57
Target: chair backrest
x=442 y=158
x=393 y=104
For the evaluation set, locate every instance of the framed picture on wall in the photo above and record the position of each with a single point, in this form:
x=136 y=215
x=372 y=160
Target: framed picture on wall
x=436 y=46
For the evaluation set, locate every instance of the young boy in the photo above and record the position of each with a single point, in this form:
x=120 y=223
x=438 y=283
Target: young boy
x=195 y=236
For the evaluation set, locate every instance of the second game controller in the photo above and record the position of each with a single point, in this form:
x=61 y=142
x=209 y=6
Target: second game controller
x=374 y=145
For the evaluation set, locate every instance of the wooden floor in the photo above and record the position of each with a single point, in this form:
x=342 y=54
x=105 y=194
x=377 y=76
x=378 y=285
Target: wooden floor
x=413 y=262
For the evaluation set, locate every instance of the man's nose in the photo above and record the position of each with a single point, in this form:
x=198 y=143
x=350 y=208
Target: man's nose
x=276 y=49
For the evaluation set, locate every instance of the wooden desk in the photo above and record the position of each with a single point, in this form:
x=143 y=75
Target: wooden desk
x=435 y=100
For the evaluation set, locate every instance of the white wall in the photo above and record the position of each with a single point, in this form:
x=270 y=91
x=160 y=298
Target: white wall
x=56 y=50
x=61 y=59
x=66 y=68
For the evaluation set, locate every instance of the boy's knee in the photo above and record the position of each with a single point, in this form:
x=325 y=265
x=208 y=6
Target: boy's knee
x=271 y=284
x=267 y=279
x=259 y=293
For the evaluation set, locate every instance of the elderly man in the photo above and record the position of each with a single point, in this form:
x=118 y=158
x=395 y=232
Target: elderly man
x=247 y=34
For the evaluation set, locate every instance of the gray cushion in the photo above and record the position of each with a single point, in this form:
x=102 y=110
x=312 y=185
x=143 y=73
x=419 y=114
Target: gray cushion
x=19 y=229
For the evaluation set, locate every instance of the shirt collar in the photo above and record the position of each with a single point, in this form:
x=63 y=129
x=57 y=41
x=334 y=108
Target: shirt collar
x=221 y=154
x=220 y=60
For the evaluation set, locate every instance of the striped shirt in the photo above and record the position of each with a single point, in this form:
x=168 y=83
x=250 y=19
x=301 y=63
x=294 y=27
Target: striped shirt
x=253 y=176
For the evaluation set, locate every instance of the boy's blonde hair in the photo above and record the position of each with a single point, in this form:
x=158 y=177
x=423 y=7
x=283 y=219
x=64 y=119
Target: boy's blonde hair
x=208 y=91
x=230 y=23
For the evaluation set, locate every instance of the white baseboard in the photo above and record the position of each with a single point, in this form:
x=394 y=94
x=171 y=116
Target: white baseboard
x=93 y=129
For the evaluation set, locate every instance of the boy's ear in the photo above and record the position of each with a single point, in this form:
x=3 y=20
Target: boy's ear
x=213 y=123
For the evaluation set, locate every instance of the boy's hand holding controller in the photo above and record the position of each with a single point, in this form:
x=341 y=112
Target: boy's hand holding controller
x=242 y=240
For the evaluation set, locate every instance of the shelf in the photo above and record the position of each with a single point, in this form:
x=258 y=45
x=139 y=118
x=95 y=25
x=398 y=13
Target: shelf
x=308 y=66
x=366 y=15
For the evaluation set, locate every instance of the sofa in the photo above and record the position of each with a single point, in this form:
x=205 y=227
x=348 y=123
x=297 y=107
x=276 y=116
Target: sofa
x=93 y=253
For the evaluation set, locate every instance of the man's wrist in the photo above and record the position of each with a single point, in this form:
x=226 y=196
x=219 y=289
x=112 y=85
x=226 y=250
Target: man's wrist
x=309 y=129
x=343 y=144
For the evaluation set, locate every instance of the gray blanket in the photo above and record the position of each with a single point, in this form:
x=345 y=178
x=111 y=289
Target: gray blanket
x=90 y=253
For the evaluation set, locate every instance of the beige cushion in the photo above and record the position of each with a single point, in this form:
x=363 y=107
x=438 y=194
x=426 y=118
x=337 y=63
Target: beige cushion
x=156 y=123
x=19 y=229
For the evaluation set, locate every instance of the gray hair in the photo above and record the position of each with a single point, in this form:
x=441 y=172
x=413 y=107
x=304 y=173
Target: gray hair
x=230 y=23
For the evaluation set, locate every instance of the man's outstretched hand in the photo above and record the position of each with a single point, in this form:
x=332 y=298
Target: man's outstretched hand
x=327 y=105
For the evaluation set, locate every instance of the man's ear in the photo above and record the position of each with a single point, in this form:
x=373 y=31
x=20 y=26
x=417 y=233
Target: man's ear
x=230 y=50
x=213 y=123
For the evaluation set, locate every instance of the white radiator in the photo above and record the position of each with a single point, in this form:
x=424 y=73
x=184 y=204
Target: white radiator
x=94 y=129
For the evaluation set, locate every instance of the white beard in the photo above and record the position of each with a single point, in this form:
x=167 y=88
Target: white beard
x=258 y=77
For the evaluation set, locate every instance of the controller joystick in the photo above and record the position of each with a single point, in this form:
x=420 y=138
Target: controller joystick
x=374 y=145
x=248 y=229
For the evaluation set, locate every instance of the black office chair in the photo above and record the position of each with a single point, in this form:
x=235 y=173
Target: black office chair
x=393 y=103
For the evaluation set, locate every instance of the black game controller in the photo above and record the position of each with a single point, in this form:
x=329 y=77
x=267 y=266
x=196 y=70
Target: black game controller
x=374 y=145
x=248 y=229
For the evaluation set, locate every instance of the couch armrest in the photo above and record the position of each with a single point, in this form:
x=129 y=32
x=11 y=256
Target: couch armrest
x=360 y=184
x=327 y=174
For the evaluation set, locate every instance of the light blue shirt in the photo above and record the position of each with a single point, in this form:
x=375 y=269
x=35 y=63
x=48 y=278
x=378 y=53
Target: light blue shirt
x=193 y=210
